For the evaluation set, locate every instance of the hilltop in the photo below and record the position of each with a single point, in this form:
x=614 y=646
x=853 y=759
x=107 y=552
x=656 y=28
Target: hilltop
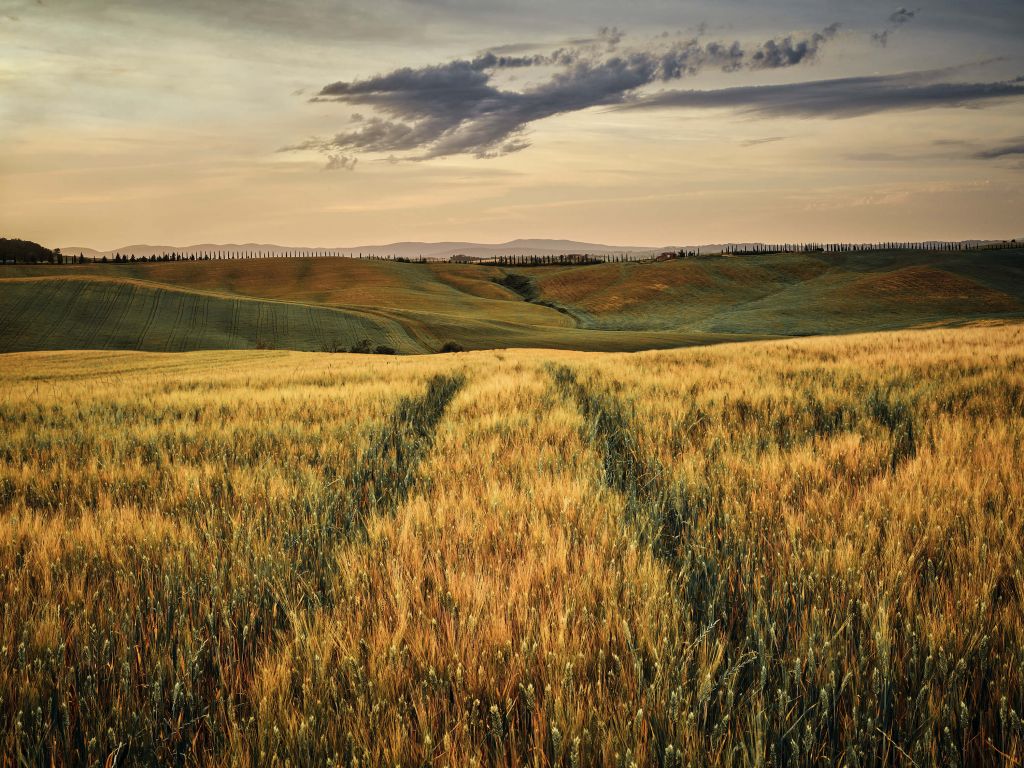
x=336 y=303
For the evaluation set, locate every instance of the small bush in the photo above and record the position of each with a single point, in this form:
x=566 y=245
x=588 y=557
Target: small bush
x=452 y=346
x=366 y=347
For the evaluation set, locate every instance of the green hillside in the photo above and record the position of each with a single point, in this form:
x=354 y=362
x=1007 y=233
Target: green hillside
x=91 y=313
x=317 y=304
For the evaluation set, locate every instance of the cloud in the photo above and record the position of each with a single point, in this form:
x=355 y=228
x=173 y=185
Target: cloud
x=456 y=107
x=840 y=98
x=896 y=20
x=1012 y=149
x=765 y=140
x=341 y=163
x=609 y=37
x=947 y=150
x=788 y=52
x=902 y=16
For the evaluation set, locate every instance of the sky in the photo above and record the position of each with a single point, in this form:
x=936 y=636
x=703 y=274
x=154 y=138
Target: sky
x=628 y=122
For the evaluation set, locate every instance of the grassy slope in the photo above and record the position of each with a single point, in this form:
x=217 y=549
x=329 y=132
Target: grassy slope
x=94 y=313
x=795 y=294
x=312 y=303
x=447 y=289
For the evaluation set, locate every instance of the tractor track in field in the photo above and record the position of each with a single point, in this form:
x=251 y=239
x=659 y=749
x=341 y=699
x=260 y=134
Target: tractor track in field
x=206 y=312
x=284 y=324
x=36 y=309
x=650 y=504
x=258 y=340
x=13 y=310
x=154 y=311
x=188 y=326
x=274 y=324
x=194 y=326
x=125 y=307
x=76 y=289
x=178 y=317
x=233 y=322
x=379 y=483
x=316 y=326
x=25 y=307
x=110 y=300
x=386 y=471
x=719 y=572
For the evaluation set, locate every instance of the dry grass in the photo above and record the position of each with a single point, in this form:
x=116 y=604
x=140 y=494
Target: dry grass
x=682 y=289
x=782 y=553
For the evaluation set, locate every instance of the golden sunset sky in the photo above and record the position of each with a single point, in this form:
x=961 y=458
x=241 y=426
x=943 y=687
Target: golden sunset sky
x=649 y=122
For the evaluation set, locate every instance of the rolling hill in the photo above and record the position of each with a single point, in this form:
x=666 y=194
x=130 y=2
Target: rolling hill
x=432 y=251
x=441 y=251
x=336 y=303
x=85 y=312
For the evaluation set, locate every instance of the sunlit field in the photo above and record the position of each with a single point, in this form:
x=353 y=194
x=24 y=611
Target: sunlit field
x=803 y=552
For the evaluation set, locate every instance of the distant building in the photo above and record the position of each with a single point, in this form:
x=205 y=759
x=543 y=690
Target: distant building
x=665 y=256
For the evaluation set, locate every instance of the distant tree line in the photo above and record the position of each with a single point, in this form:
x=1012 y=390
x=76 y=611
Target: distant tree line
x=119 y=258
x=13 y=251
x=562 y=259
x=930 y=245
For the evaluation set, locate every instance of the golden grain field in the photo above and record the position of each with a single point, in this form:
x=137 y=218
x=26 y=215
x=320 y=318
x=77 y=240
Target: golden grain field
x=779 y=553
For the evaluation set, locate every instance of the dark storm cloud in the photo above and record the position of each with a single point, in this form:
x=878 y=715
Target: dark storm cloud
x=456 y=107
x=844 y=97
x=1006 y=150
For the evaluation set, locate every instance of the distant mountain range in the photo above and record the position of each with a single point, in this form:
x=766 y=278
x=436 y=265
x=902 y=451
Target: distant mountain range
x=441 y=251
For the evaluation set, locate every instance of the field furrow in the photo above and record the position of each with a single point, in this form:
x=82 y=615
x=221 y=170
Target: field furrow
x=234 y=324
x=150 y=317
x=190 y=323
x=23 y=320
x=730 y=492
x=69 y=293
x=316 y=329
x=177 y=329
x=212 y=550
x=500 y=617
x=126 y=302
